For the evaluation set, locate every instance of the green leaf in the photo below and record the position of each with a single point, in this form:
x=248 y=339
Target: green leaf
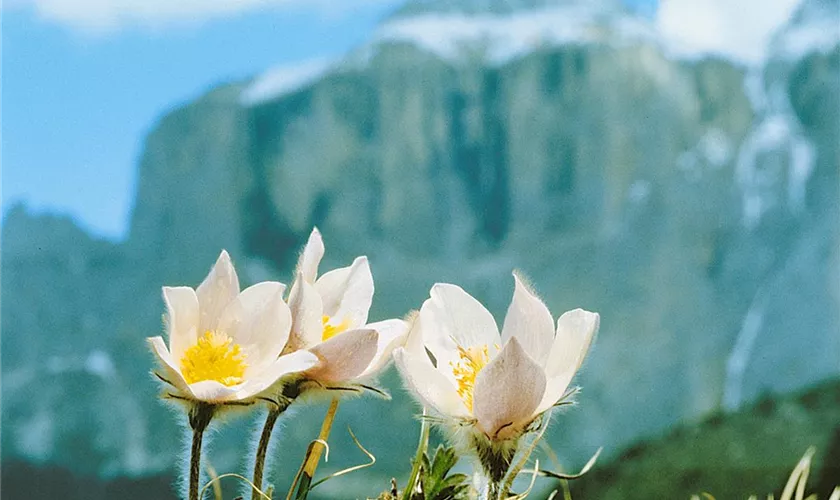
x=437 y=484
x=444 y=460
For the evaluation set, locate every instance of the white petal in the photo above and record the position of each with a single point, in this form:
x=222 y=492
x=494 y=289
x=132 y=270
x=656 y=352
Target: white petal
x=555 y=388
x=392 y=334
x=331 y=287
x=529 y=320
x=295 y=362
x=431 y=332
x=508 y=391
x=307 y=313
x=182 y=318
x=214 y=392
x=311 y=256
x=347 y=293
x=418 y=336
x=431 y=387
x=259 y=321
x=454 y=318
x=575 y=331
x=345 y=356
x=216 y=291
x=414 y=335
x=169 y=367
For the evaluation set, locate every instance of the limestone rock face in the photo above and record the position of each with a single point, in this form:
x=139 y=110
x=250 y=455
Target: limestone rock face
x=193 y=178
x=692 y=203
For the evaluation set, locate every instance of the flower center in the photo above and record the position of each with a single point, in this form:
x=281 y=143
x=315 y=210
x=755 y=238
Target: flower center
x=214 y=357
x=331 y=331
x=471 y=361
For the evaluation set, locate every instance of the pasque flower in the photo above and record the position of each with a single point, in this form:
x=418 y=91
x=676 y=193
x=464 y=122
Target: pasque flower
x=225 y=348
x=460 y=366
x=225 y=345
x=329 y=318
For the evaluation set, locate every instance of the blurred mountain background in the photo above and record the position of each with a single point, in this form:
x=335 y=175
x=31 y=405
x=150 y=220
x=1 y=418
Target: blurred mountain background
x=691 y=199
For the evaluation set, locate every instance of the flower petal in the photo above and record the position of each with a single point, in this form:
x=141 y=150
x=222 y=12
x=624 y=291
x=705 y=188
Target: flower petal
x=392 y=334
x=508 y=391
x=295 y=362
x=347 y=293
x=259 y=321
x=311 y=256
x=429 y=334
x=214 y=392
x=414 y=336
x=307 y=312
x=452 y=318
x=216 y=291
x=331 y=287
x=182 y=318
x=432 y=328
x=429 y=385
x=575 y=331
x=170 y=369
x=555 y=388
x=529 y=320
x=345 y=356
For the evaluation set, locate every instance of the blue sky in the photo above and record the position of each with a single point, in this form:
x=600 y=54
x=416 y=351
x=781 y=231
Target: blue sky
x=83 y=81
x=77 y=100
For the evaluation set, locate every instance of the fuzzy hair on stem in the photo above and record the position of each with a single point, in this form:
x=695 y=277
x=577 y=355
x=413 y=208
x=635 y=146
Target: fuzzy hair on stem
x=199 y=417
x=277 y=405
x=262 y=448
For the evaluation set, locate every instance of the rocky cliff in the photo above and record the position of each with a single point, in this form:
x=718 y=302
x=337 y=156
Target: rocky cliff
x=692 y=202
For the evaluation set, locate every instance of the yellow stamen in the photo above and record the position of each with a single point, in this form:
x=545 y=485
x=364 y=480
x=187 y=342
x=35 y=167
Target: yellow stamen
x=473 y=359
x=331 y=331
x=214 y=357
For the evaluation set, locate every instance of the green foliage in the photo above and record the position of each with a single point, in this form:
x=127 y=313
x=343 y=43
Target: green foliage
x=437 y=483
x=795 y=486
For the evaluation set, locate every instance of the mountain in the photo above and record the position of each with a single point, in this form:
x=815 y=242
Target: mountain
x=693 y=203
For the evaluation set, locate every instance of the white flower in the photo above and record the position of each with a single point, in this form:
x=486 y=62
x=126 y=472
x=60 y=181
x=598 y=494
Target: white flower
x=225 y=345
x=329 y=318
x=499 y=383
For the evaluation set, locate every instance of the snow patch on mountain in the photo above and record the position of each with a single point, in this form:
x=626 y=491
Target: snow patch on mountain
x=815 y=28
x=774 y=164
x=801 y=41
x=713 y=151
x=285 y=79
x=739 y=30
x=499 y=38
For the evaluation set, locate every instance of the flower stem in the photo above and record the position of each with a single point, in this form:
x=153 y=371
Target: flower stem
x=313 y=456
x=274 y=412
x=200 y=416
x=494 y=490
x=495 y=459
x=418 y=458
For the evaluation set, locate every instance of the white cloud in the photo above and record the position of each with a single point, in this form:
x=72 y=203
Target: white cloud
x=739 y=29
x=104 y=16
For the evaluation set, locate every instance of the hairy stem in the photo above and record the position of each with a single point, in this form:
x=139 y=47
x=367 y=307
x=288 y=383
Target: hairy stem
x=495 y=459
x=200 y=416
x=418 y=458
x=262 y=448
x=494 y=490
x=195 y=463
x=313 y=456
